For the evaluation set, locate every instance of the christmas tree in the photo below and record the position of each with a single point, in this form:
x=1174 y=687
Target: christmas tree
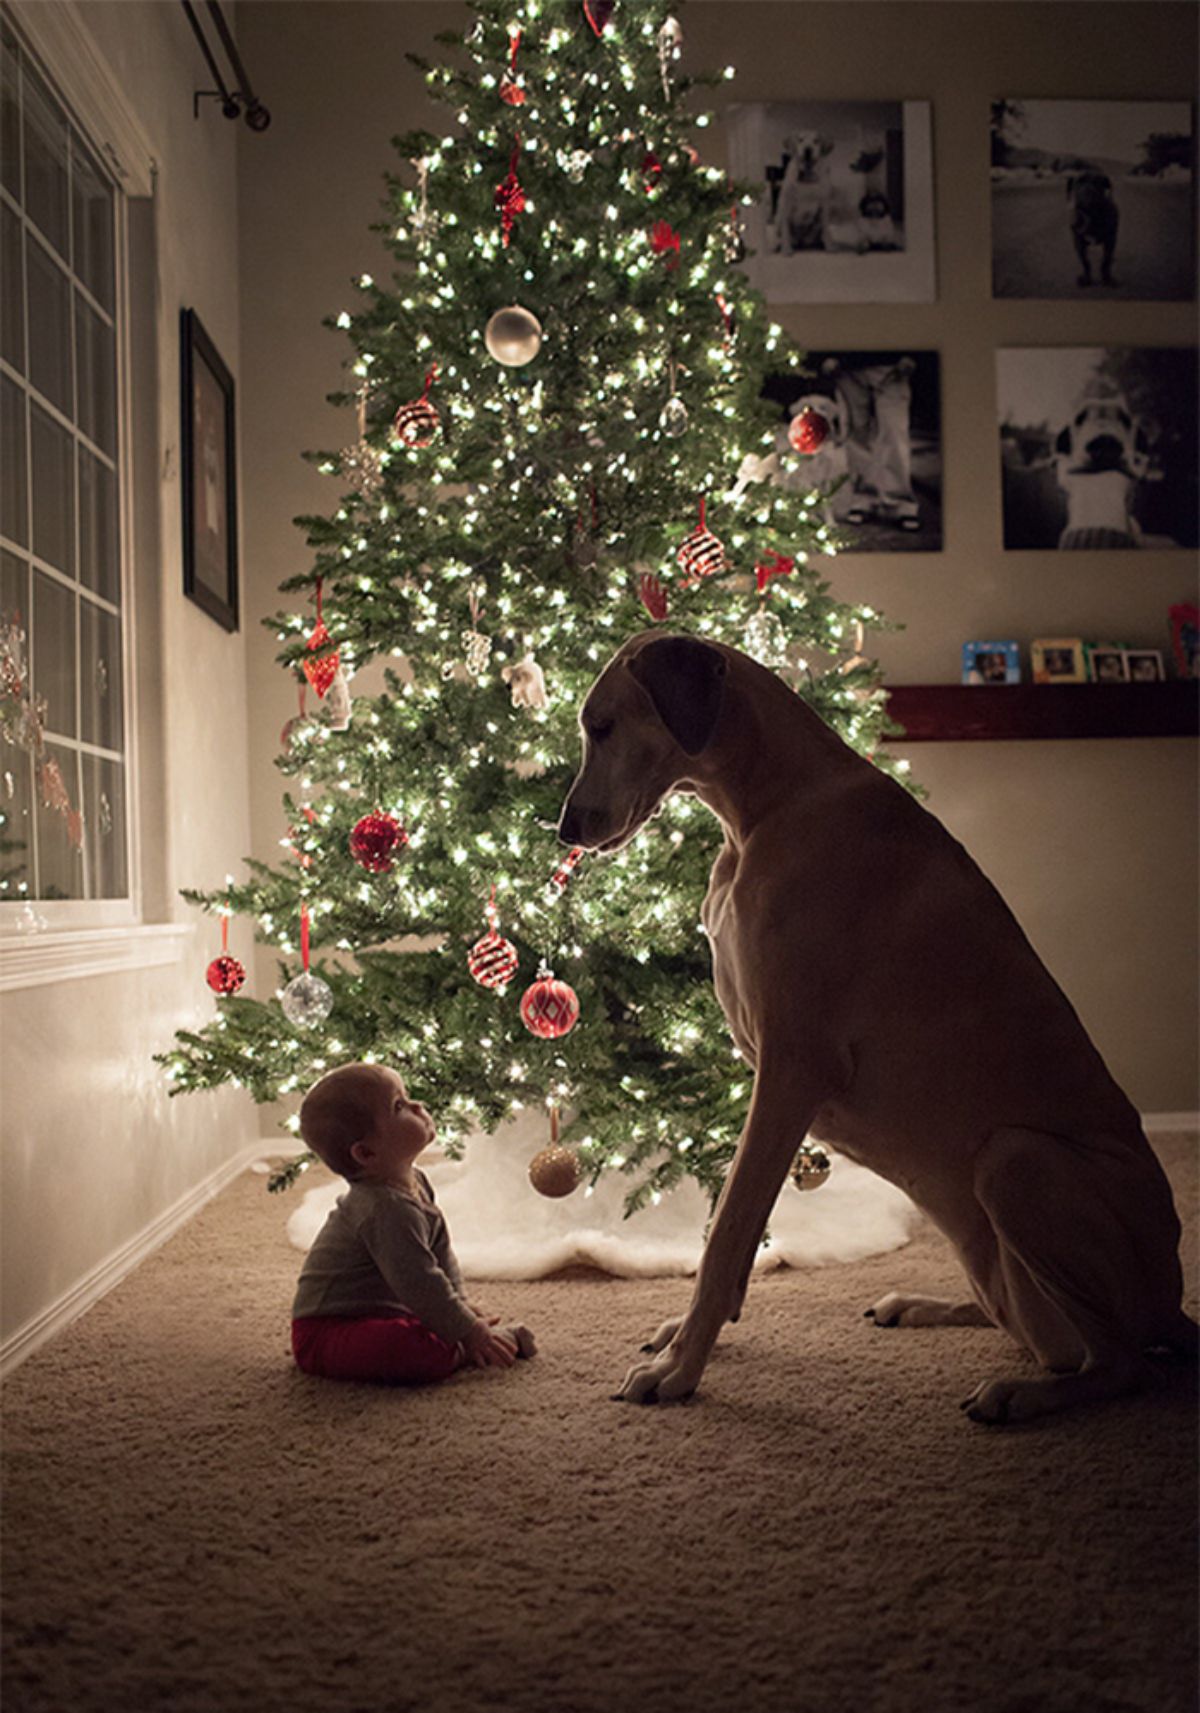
x=561 y=439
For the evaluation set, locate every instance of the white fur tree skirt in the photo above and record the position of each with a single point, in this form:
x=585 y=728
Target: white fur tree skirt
x=501 y=1228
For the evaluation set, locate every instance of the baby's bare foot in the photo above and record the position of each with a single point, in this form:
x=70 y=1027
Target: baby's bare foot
x=523 y=1339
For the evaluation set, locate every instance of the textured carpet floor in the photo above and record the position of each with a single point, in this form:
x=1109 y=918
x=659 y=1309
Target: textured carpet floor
x=190 y=1524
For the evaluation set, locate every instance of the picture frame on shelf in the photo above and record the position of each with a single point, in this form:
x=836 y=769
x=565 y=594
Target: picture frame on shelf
x=1058 y=660
x=1145 y=666
x=208 y=475
x=1184 y=618
x=1106 y=663
x=991 y=663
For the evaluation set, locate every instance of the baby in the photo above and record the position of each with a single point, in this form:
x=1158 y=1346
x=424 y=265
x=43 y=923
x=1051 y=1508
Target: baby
x=380 y=1295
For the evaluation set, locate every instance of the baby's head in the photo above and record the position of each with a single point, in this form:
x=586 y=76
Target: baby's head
x=350 y=1111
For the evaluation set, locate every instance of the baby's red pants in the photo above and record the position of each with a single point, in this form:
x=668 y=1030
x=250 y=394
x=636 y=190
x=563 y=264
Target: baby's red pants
x=399 y=1350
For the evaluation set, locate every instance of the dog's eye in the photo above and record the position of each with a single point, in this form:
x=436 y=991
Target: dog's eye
x=600 y=730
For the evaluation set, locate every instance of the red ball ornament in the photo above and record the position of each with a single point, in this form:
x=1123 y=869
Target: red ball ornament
x=808 y=431
x=512 y=94
x=416 y=424
x=225 y=974
x=373 y=840
x=549 y=1008
x=493 y=961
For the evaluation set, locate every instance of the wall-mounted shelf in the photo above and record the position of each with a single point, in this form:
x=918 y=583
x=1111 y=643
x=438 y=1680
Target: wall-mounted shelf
x=959 y=713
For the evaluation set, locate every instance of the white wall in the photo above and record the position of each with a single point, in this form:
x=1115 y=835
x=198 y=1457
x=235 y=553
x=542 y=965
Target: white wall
x=94 y=1155
x=1092 y=842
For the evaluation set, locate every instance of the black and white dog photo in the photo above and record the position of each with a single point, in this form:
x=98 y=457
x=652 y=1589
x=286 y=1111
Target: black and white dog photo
x=846 y=210
x=878 y=468
x=1098 y=447
x=1093 y=199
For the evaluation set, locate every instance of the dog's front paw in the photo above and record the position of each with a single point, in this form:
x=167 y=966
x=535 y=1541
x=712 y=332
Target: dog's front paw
x=668 y=1379
x=996 y=1403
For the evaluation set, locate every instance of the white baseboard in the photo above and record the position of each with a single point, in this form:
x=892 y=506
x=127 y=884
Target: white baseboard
x=1152 y=1121
x=118 y=1265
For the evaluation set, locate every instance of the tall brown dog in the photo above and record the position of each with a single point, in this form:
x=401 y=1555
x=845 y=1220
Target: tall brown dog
x=891 y=1005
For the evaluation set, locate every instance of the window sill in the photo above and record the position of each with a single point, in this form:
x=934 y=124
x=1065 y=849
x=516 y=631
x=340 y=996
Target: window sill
x=37 y=960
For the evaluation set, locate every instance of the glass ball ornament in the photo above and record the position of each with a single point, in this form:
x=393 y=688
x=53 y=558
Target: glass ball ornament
x=673 y=419
x=374 y=838
x=225 y=974
x=362 y=469
x=555 y=1171
x=549 y=1008
x=306 y=1001
x=808 y=431
x=811 y=1166
x=763 y=639
x=513 y=336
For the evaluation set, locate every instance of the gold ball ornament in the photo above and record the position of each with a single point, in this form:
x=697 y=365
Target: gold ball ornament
x=555 y=1171
x=513 y=336
x=811 y=1166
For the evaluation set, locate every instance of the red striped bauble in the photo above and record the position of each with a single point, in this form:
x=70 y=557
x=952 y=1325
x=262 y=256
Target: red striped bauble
x=225 y=974
x=373 y=840
x=549 y=1008
x=701 y=555
x=493 y=961
x=416 y=424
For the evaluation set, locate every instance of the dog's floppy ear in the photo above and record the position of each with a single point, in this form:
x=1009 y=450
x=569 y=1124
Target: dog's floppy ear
x=685 y=680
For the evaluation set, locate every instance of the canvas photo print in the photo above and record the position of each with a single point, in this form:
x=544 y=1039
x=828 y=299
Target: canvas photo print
x=878 y=466
x=1098 y=447
x=1093 y=199
x=845 y=213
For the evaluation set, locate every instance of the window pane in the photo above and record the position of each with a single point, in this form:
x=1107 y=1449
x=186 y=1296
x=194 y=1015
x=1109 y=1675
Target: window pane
x=14 y=589
x=10 y=116
x=99 y=676
x=16 y=823
x=14 y=483
x=92 y=197
x=104 y=827
x=53 y=652
x=99 y=568
x=97 y=381
x=49 y=327
x=53 y=490
x=46 y=162
x=12 y=291
x=60 y=861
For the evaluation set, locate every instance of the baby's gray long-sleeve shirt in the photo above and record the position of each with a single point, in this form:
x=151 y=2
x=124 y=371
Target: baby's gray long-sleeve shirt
x=381 y=1252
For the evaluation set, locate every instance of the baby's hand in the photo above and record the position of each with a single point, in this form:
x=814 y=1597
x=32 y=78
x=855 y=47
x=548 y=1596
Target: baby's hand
x=486 y=1350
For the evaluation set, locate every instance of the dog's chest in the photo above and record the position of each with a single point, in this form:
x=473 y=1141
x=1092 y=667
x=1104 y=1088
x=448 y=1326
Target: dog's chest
x=721 y=919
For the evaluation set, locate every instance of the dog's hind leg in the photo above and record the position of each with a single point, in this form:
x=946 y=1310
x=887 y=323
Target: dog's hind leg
x=896 y=1309
x=1089 y=1272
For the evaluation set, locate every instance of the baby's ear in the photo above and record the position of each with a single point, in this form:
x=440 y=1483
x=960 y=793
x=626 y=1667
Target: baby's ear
x=361 y=1152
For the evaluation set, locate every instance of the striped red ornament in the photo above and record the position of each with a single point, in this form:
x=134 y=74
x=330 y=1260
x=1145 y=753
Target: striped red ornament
x=416 y=423
x=493 y=960
x=701 y=554
x=549 y=1008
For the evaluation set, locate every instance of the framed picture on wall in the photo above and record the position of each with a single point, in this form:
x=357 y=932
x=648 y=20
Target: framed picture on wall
x=208 y=469
x=1098 y=447
x=878 y=466
x=846 y=209
x=1093 y=199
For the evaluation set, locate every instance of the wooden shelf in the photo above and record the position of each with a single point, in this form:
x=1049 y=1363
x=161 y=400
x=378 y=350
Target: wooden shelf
x=990 y=713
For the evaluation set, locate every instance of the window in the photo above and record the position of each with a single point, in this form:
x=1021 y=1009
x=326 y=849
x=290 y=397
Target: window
x=64 y=788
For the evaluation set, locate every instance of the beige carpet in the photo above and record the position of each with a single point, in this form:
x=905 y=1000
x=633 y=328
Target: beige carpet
x=192 y=1525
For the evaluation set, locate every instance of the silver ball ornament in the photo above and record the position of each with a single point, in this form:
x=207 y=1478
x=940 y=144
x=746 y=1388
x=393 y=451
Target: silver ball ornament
x=673 y=419
x=306 y=1001
x=513 y=336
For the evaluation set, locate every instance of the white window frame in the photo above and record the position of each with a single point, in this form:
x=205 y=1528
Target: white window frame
x=93 y=936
